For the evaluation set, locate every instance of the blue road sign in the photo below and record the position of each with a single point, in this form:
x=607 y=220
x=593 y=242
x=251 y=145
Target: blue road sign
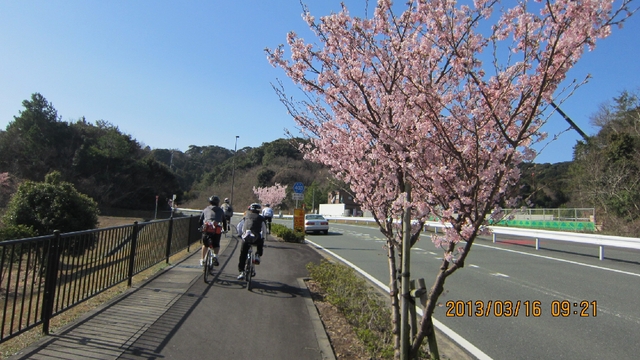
x=298 y=188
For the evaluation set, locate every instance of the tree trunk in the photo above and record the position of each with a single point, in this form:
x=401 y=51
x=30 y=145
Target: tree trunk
x=393 y=293
x=405 y=332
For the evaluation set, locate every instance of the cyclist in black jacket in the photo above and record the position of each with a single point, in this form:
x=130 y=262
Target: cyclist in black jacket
x=252 y=228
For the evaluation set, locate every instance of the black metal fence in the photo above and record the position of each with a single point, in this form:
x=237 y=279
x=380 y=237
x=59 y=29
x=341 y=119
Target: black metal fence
x=44 y=276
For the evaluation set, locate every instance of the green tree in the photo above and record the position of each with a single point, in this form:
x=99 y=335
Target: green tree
x=264 y=177
x=314 y=195
x=112 y=168
x=51 y=205
x=279 y=148
x=35 y=142
x=606 y=169
x=543 y=185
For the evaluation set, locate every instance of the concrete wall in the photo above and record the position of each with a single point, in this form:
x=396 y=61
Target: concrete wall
x=332 y=209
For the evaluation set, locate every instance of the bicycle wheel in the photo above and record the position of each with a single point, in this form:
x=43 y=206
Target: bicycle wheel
x=248 y=269
x=207 y=266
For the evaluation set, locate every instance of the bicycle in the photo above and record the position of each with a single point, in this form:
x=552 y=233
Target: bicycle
x=208 y=264
x=268 y=222
x=227 y=228
x=249 y=267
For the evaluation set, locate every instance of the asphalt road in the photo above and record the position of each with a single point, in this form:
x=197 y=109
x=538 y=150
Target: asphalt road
x=229 y=322
x=558 y=279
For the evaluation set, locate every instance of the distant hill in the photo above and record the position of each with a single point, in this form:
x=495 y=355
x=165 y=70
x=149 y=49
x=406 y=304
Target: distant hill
x=273 y=162
x=118 y=172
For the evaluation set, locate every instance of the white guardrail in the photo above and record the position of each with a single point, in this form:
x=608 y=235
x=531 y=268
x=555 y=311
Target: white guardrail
x=601 y=241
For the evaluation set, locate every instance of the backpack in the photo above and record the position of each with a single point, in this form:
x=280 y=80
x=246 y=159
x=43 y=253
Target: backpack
x=209 y=228
x=228 y=210
x=249 y=237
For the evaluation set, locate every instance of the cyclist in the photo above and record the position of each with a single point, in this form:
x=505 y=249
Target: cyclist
x=210 y=223
x=228 y=213
x=267 y=214
x=251 y=226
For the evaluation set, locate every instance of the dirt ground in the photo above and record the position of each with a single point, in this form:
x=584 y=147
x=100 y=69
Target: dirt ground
x=108 y=221
x=343 y=339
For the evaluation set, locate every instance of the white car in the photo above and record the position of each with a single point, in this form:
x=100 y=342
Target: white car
x=316 y=223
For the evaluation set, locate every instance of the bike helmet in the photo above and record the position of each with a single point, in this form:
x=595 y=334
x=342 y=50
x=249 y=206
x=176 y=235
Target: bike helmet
x=267 y=205
x=214 y=200
x=255 y=207
x=226 y=200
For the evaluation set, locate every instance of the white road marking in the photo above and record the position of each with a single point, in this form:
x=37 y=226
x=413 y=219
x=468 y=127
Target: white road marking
x=561 y=260
x=500 y=275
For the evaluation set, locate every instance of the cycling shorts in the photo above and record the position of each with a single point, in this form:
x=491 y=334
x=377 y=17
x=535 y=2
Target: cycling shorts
x=212 y=240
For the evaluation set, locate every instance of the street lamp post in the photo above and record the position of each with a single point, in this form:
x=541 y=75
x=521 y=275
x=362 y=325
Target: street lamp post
x=233 y=172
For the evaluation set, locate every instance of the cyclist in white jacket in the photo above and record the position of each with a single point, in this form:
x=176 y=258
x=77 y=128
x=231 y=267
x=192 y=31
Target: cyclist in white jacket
x=267 y=214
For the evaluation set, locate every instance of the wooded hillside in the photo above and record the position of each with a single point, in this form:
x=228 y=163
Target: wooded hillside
x=118 y=172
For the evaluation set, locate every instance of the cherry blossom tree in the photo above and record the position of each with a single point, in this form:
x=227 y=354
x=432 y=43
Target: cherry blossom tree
x=272 y=195
x=427 y=114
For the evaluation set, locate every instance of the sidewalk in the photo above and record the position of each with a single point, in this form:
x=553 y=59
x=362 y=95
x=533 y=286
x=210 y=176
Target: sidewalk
x=175 y=315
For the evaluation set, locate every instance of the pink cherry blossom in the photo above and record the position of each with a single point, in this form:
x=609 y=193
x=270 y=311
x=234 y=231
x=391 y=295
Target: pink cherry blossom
x=444 y=99
x=272 y=195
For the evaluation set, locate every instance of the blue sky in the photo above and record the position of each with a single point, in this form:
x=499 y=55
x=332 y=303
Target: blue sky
x=178 y=73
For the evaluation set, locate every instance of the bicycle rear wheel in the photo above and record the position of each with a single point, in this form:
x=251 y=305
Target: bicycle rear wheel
x=248 y=269
x=208 y=267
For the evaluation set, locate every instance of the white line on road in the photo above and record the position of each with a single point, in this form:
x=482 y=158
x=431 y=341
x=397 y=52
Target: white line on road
x=500 y=275
x=561 y=260
x=442 y=327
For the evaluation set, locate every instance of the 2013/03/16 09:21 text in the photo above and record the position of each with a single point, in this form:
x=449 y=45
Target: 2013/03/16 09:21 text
x=508 y=308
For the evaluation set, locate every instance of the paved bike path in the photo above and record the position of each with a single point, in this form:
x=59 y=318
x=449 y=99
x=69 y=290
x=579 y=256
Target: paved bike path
x=176 y=315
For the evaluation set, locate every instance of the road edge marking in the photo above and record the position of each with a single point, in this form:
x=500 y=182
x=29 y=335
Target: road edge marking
x=465 y=344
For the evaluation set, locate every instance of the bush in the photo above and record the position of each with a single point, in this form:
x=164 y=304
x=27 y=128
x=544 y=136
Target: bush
x=357 y=301
x=51 y=205
x=287 y=234
x=14 y=232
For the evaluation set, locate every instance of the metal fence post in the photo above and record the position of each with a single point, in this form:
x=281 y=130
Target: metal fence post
x=51 y=275
x=168 y=253
x=132 y=254
x=189 y=230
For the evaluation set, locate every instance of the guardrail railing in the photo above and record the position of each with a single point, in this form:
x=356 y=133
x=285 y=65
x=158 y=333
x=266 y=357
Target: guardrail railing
x=42 y=277
x=601 y=241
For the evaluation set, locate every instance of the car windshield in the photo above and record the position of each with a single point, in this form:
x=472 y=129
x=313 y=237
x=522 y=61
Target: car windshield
x=315 y=217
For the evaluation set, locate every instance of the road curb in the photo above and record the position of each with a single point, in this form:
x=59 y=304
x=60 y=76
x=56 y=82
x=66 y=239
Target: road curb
x=321 y=334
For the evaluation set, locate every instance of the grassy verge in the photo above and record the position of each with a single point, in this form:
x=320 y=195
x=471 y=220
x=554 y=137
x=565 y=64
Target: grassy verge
x=359 y=303
x=287 y=234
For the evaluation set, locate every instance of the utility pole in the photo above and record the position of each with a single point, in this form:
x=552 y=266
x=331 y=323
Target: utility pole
x=233 y=172
x=571 y=123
